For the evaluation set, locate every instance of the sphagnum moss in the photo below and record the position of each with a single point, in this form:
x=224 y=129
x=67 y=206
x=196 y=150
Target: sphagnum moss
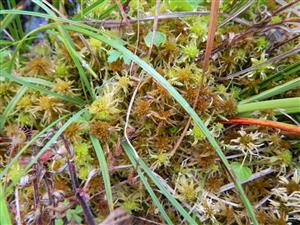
x=193 y=174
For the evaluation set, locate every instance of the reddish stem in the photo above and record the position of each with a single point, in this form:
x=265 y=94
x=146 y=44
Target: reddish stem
x=265 y=123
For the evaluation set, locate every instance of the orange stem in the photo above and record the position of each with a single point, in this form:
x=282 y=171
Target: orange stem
x=266 y=123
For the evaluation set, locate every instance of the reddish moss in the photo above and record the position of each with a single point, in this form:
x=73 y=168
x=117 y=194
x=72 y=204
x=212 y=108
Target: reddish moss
x=100 y=129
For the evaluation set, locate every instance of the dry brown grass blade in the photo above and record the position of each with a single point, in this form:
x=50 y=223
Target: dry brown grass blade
x=211 y=35
x=209 y=46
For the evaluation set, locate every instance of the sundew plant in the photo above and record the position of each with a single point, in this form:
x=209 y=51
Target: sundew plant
x=150 y=112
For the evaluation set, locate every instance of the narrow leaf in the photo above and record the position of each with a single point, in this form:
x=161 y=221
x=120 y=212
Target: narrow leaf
x=104 y=171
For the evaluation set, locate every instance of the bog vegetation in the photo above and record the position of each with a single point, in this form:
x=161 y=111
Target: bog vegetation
x=150 y=112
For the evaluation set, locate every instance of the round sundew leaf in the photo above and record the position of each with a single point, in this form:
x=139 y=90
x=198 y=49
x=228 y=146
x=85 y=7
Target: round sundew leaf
x=243 y=172
x=159 y=38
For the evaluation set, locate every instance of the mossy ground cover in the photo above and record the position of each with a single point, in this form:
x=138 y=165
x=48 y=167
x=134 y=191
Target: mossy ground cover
x=148 y=112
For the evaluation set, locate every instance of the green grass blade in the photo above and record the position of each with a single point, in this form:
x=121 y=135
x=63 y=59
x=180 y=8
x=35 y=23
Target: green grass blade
x=136 y=162
x=274 y=91
x=6 y=21
x=25 y=38
x=147 y=185
x=173 y=92
x=40 y=81
x=287 y=71
x=286 y=104
x=74 y=100
x=45 y=147
x=23 y=149
x=4 y=213
x=89 y=9
x=66 y=39
x=163 y=82
x=54 y=138
x=154 y=198
x=17 y=21
x=11 y=105
x=49 y=17
x=71 y=49
x=104 y=171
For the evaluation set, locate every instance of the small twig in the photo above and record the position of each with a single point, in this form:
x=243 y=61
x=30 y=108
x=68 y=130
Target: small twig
x=283 y=3
x=284 y=7
x=148 y=221
x=75 y=186
x=49 y=188
x=253 y=28
x=212 y=196
x=274 y=59
x=8 y=35
x=261 y=202
x=155 y=24
x=175 y=15
x=123 y=13
x=54 y=9
x=209 y=45
x=86 y=44
x=290 y=117
x=177 y=144
x=238 y=12
x=18 y=213
x=277 y=45
x=254 y=176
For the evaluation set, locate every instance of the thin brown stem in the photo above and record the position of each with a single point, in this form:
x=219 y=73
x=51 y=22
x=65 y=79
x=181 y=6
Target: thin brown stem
x=123 y=13
x=175 y=15
x=88 y=216
x=280 y=9
x=209 y=45
x=155 y=24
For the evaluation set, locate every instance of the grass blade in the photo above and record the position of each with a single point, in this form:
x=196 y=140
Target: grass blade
x=274 y=91
x=163 y=82
x=290 y=105
x=53 y=139
x=20 y=152
x=138 y=162
x=89 y=9
x=40 y=81
x=4 y=218
x=289 y=70
x=71 y=49
x=74 y=100
x=11 y=105
x=104 y=171
x=147 y=186
x=173 y=92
